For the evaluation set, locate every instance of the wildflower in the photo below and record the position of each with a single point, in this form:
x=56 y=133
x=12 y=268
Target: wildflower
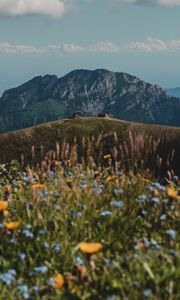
x=155 y=200
x=56 y=194
x=22 y=255
x=171 y=233
x=78 y=260
x=57 y=282
x=172 y=193
x=12 y=225
x=3 y=205
x=57 y=247
x=56 y=206
x=13 y=241
x=147 y=292
x=24 y=291
x=6 y=213
x=142 y=198
x=110 y=178
x=8 y=277
x=107 y=156
x=90 y=247
x=144 y=212
x=35 y=288
x=41 y=269
x=105 y=213
x=139 y=245
x=119 y=204
x=27 y=233
x=163 y=217
x=38 y=186
x=154 y=243
x=46 y=245
x=28 y=226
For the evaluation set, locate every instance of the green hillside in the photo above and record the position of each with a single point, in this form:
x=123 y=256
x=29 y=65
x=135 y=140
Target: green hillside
x=89 y=139
x=37 y=113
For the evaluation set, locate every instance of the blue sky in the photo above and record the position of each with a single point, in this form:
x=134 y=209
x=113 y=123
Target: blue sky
x=141 y=37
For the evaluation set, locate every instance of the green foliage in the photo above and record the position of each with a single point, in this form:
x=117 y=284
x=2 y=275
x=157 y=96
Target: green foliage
x=134 y=218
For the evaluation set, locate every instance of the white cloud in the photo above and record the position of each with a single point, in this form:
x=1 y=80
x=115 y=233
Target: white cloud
x=151 y=45
x=105 y=47
x=72 y=48
x=13 y=8
x=153 y=2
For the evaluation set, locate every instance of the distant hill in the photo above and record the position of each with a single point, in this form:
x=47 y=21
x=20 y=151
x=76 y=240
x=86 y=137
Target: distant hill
x=175 y=92
x=49 y=98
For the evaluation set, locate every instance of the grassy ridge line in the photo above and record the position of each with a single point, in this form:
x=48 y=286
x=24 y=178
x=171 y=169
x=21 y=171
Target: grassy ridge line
x=132 y=140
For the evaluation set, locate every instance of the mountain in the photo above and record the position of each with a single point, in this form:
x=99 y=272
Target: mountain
x=123 y=96
x=174 y=92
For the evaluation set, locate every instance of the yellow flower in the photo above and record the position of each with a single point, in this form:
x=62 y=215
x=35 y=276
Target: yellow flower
x=110 y=178
x=38 y=186
x=172 y=193
x=90 y=248
x=140 y=244
x=107 y=156
x=12 y=225
x=59 y=281
x=6 y=213
x=3 y=205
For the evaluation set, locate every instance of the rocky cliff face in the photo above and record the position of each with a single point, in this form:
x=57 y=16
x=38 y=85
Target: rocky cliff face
x=120 y=94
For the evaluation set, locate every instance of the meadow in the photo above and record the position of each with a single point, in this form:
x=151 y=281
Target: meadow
x=92 y=224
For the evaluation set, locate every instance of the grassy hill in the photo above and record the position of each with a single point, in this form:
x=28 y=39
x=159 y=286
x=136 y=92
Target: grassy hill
x=88 y=140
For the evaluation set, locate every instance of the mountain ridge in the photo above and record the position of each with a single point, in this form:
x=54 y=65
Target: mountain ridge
x=122 y=95
x=174 y=92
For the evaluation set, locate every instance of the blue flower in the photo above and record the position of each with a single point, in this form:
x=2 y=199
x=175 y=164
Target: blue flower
x=22 y=256
x=105 y=213
x=57 y=247
x=119 y=204
x=142 y=198
x=155 y=200
x=154 y=243
x=27 y=233
x=46 y=245
x=13 y=241
x=35 y=288
x=171 y=233
x=172 y=207
x=8 y=277
x=41 y=269
x=144 y=212
x=78 y=214
x=158 y=186
x=147 y=292
x=24 y=291
x=56 y=194
x=78 y=260
x=163 y=217
x=56 y=206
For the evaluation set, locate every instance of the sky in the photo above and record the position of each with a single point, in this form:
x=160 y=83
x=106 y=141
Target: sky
x=140 y=37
